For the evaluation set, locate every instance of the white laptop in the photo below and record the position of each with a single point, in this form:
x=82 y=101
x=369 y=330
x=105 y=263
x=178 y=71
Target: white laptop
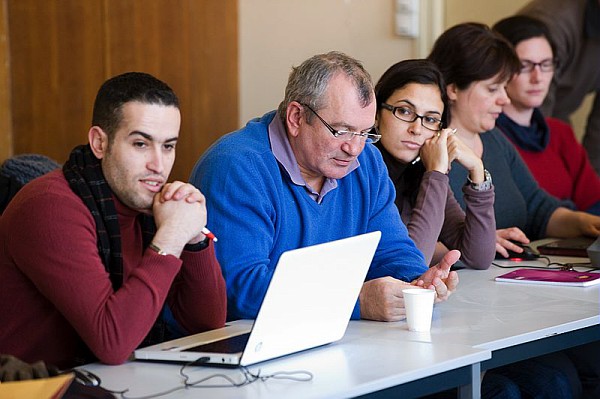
x=309 y=302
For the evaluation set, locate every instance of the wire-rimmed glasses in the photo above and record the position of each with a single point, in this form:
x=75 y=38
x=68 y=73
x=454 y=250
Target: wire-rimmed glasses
x=370 y=134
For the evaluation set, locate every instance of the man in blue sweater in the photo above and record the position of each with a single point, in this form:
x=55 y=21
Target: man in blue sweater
x=308 y=174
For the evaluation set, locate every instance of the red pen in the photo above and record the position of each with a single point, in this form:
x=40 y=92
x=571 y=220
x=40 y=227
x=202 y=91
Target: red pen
x=209 y=234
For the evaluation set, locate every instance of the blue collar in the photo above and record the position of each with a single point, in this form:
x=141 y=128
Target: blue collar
x=534 y=137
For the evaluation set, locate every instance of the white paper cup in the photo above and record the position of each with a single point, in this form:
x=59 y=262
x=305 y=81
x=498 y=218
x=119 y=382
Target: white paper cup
x=418 y=303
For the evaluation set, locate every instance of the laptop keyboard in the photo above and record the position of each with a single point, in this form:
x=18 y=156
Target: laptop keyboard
x=228 y=345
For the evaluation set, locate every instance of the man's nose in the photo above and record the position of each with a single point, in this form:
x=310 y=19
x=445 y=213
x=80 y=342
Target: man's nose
x=354 y=146
x=155 y=162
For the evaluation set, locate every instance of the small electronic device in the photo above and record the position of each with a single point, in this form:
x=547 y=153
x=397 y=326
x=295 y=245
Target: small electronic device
x=567 y=247
x=527 y=254
x=308 y=303
x=85 y=377
x=593 y=252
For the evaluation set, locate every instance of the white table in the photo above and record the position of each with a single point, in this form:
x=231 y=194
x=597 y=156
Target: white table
x=508 y=321
x=506 y=317
x=352 y=367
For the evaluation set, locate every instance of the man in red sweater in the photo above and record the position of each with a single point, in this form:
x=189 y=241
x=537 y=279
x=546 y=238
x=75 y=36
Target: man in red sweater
x=105 y=255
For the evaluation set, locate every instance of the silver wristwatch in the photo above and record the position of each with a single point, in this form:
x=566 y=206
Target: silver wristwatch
x=485 y=185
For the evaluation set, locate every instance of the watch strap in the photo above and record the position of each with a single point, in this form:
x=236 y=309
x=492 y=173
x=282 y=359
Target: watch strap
x=485 y=185
x=199 y=246
x=156 y=249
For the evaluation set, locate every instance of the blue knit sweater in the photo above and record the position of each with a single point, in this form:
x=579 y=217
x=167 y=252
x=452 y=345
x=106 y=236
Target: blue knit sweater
x=257 y=212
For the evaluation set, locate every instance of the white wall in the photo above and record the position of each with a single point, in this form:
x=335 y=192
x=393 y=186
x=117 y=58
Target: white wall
x=278 y=34
x=487 y=11
x=490 y=12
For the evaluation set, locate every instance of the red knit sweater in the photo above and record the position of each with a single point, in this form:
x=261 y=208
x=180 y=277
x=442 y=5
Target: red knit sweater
x=56 y=298
x=563 y=168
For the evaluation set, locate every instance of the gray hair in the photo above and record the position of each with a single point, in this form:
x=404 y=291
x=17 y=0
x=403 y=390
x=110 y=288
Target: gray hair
x=309 y=81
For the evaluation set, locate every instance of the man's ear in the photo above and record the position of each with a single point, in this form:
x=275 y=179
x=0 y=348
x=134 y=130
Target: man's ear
x=98 y=141
x=452 y=92
x=293 y=116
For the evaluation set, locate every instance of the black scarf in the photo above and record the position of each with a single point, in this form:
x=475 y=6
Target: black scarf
x=534 y=137
x=9 y=187
x=406 y=177
x=592 y=19
x=83 y=171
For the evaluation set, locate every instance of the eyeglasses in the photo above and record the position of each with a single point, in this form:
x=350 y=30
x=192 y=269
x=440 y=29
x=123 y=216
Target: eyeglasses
x=409 y=115
x=370 y=134
x=545 y=66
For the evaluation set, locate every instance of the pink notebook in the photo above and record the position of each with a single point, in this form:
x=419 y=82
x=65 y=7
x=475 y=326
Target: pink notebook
x=552 y=277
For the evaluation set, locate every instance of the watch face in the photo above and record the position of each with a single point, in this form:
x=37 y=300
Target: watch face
x=487 y=177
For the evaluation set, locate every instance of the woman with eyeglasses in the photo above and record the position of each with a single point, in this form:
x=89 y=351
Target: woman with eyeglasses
x=548 y=146
x=411 y=103
x=477 y=64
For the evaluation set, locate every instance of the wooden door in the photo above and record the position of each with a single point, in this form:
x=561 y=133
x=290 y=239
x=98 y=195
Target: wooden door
x=62 y=50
